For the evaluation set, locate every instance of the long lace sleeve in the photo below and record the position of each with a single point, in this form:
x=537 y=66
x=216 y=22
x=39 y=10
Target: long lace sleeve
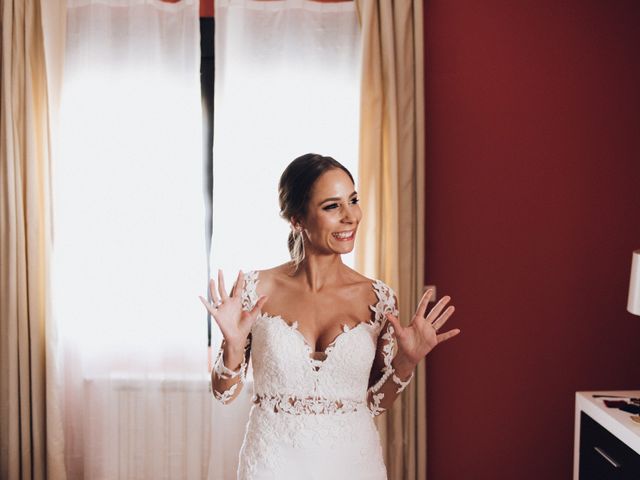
x=384 y=384
x=226 y=384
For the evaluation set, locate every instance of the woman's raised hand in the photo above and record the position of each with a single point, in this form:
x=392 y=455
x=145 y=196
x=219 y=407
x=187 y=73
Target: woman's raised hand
x=234 y=322
x=420 y=336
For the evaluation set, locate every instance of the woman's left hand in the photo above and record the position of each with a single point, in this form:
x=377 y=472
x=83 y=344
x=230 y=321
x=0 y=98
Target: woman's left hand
x=420 y=337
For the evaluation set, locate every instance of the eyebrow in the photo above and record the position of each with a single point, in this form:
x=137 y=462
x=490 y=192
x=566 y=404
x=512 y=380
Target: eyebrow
x=334 y=199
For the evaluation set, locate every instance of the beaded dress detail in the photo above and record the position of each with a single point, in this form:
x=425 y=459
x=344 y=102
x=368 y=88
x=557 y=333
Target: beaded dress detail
x=313 y=418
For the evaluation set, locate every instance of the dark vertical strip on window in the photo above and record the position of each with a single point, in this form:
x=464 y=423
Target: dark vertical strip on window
x=207 y=78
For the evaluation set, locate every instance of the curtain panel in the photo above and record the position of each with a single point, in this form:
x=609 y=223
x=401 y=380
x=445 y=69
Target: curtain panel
x=392 y=190
x=30 y=441
x=129 y=256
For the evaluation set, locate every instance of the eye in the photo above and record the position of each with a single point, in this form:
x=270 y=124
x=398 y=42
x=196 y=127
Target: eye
x=330 y=206
x=355 y=201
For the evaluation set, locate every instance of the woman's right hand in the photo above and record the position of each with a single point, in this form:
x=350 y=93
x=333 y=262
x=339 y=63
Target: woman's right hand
x=234 y=322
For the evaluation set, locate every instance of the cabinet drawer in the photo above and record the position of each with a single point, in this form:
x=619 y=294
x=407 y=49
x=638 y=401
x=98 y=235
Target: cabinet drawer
x=603 y=456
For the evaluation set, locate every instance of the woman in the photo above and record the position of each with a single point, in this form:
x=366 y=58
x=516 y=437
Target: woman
x=327 y=349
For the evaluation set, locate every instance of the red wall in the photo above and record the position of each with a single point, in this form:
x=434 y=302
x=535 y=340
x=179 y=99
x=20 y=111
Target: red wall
x=206 y=8
x=533 y=210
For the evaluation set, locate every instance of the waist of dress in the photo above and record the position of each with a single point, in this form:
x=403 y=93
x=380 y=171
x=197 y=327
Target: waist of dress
x=294 y=405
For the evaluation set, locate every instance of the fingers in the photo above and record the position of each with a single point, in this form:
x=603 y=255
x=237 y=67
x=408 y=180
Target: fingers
x=213 y=293
x=210 y=308
x=424 y=302
x=443 y=337
x=440 y=321
x=435 y=311
x=221 y=288
x=239 y=285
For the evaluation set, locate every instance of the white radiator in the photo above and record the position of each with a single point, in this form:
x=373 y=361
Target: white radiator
x=160 y=427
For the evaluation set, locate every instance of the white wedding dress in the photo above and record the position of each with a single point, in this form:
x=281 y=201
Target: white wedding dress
x=313 y=419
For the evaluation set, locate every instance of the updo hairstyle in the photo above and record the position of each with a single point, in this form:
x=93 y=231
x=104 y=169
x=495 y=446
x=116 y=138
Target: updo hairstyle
x=294 y=192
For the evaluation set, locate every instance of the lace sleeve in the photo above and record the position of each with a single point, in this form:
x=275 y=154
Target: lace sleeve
x=226 y=383
x=385 y=385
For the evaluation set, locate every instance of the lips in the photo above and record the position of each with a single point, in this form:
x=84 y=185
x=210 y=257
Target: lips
x=344 y=236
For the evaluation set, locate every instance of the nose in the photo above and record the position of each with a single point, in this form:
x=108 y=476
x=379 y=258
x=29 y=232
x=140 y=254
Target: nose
x=347 y=216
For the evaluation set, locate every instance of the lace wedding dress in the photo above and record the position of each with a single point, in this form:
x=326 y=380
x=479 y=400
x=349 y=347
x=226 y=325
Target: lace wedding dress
x=311 y=418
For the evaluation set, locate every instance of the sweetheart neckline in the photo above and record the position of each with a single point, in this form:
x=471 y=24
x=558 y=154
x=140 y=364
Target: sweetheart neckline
x=294 y=326
x=315 y=363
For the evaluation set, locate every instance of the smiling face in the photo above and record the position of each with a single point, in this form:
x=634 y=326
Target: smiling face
x=332 y=214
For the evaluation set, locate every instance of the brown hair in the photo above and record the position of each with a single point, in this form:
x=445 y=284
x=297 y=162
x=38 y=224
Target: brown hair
x=294 y=191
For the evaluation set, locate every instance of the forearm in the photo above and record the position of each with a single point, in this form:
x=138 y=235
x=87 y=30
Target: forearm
x=229 y=371
x=396 y=376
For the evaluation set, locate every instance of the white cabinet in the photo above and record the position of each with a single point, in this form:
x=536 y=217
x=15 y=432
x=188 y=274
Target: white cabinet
x=606 y=440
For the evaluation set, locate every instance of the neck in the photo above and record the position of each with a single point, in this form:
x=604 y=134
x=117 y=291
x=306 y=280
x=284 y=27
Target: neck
x=316 y=270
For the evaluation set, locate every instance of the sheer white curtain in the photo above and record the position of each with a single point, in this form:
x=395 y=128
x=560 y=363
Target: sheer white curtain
x=287 y=83
x=129 y=250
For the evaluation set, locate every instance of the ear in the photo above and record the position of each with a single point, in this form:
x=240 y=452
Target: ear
x=296 y=225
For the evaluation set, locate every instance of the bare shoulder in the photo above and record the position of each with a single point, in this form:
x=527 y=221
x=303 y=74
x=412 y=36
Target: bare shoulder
x=372 y=290
x=359 y=278
x=353 y=277
x=359 y=286
x=363 y=293
x=275 y=276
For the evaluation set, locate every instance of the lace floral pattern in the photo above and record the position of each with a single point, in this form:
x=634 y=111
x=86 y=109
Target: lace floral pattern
x=307 y=406
x=226 y=396
x=386 y=302
x=249 y=294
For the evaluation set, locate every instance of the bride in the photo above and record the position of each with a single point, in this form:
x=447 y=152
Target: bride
x=327 y=348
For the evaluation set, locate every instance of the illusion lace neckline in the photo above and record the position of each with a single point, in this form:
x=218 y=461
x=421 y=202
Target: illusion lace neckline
x=293 y=326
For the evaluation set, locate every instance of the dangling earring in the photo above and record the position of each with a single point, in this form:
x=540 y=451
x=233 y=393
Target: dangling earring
x=299 y=240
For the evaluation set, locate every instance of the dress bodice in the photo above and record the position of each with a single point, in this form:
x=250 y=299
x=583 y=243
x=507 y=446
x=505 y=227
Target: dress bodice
x=283 y=363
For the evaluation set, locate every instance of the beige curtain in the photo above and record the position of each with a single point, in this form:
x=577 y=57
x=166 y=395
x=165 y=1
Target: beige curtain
x=29 y=419
x=391 y=177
